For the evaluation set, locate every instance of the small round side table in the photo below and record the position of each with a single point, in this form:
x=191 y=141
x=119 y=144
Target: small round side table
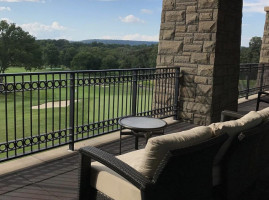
x=141 y=127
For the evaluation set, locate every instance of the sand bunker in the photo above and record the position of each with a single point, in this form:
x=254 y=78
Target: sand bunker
x=57 y=104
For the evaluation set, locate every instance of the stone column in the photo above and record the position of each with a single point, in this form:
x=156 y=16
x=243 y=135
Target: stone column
x=203 y=38
x=264 y=56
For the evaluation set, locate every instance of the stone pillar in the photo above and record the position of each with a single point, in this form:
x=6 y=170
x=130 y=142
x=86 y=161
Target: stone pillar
x=264 y=56
x=203 y=38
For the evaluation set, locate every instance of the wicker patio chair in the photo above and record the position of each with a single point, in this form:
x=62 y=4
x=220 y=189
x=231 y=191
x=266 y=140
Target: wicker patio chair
x=245 y=160
x=262 y=97
x=183 y=174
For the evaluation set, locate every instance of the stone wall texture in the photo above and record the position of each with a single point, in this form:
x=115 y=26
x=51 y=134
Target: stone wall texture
x=203 y=38
x=264 y=57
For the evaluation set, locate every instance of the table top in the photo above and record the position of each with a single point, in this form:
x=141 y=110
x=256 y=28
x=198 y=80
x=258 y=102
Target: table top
x=142 y=123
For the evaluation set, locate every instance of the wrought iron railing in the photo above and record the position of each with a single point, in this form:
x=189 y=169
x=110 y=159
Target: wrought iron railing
x=253 y=78
x=40 y=111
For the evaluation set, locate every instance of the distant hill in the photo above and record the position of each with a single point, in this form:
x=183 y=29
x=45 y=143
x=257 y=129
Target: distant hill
x=124 y=42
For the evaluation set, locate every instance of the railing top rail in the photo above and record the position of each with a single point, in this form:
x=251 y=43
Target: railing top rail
x=249 y=66
x=84 y=71
x=243 y=64
x=253 y=64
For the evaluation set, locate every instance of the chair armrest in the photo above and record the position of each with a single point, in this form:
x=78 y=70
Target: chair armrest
x=262 y=92
x=228 y=115
x=129 y=173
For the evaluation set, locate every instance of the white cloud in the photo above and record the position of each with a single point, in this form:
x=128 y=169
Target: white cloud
x=146 y=11
x=57 y=26
x=137 y=37
x=5 y=8
x=245 y=41
x=256 y=6
x=131 y=19
x=14 y=1
x=65 y=37
x=7 y=20
x=37 y=28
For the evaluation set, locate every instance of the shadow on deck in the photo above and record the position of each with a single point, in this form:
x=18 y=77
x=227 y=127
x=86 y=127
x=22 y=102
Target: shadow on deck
x=58 y=180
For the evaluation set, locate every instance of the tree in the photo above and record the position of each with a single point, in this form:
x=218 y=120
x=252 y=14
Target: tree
x=143 y=57
x=126 y=62
x=251 y=54
x=110 y=62
x=68 y=55
x=17 y=48
x=255 y=49
x=51 y=55
x=153 y=56
x=85 y=60
x=244 y=55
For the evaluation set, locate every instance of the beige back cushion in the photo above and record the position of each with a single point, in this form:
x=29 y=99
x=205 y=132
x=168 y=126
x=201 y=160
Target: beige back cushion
x=157 y=147
x=264 y=113
x=232 y=128
x=133 y=158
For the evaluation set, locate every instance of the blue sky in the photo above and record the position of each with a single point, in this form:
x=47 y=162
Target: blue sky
x=107 y=19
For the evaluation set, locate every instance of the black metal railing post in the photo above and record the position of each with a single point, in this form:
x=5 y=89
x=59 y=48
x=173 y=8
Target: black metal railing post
x=134 y=95
x=248 y=79
x=1 y=83
x=72 y=111
x=262 y=74
x=176 y=117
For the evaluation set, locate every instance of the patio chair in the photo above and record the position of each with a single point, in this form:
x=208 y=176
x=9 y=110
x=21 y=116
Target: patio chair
x=246 y=158
x=262 y=97
x=184 y=173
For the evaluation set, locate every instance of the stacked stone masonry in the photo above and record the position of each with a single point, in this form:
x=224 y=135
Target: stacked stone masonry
x=202 y=37
x=264 y=55
x=264 y=58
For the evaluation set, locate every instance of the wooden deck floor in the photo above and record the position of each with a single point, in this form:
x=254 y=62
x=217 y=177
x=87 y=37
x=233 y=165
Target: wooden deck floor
x=58 y=180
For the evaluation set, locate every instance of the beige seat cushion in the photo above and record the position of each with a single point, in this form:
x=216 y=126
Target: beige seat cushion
x=264 y=113
x=232 y=128
x=113 y=185
x=157 y=147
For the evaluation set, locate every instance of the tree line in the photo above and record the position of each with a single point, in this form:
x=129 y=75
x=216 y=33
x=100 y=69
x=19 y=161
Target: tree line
x=19 y=48
x=94 y=56
x=251 y=54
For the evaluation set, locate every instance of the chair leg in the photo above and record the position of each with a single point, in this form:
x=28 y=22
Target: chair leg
x=120 y=142
x=84 y=177
x=136 y=142
x=258 y=101
x=257 y=106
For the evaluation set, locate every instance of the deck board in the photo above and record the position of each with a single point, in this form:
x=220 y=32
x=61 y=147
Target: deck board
x=58 y=180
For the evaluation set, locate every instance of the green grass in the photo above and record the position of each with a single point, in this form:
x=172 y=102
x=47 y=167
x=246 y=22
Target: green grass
x=22 y=70
x=243 y=84
x=94 y=103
